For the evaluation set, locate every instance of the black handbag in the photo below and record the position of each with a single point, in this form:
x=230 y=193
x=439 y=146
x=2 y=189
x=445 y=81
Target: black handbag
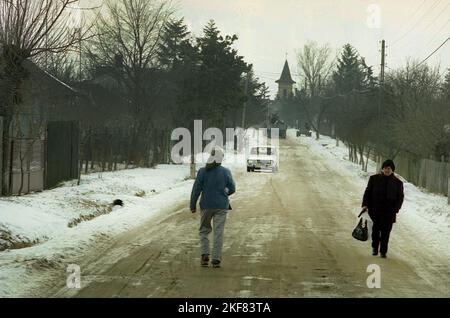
x=360 y=232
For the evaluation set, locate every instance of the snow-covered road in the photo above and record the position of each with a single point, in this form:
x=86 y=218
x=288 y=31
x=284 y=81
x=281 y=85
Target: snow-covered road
x=289 y=235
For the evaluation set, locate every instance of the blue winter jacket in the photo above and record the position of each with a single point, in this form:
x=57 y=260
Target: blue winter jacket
x=212 y=185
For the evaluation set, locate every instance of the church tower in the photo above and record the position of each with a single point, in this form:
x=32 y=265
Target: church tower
x=285 y=83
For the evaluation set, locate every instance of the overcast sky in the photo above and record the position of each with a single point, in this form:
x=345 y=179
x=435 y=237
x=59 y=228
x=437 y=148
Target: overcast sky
x=267 y=29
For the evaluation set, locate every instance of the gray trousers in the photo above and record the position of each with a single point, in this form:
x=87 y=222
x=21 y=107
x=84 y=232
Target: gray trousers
x=218 y=216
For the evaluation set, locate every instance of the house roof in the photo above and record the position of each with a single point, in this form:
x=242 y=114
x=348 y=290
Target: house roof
x=286 y=75
x=33 y=68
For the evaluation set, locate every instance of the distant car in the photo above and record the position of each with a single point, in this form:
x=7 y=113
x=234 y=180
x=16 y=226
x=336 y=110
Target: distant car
x=304 y=131
x=262 y=158
x=282 y=129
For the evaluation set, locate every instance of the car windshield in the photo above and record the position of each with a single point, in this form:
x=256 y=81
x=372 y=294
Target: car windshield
x=262 y=151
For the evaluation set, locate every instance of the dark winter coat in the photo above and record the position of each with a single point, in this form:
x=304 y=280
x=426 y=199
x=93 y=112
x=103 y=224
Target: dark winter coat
x=383 y=197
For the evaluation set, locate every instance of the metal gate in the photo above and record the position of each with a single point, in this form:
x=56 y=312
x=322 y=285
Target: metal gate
x=62 y=153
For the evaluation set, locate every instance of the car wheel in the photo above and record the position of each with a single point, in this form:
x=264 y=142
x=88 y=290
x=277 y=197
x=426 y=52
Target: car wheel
x=249 y=169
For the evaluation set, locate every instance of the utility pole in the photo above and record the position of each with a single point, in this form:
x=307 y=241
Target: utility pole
x=381 y=88
x=245 y=103
x=46 y=41
x=81 y=52
x=383 y=63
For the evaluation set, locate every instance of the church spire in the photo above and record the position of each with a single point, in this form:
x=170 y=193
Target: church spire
x=285 y=83
x=286 y=77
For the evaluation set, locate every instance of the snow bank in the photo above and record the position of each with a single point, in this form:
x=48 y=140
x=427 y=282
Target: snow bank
x=43 y=218
x=37 y=224
x=46 y=215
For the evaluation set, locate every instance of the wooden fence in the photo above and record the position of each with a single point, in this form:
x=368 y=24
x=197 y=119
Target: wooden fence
x=38 y=161
x=429 y=174
x=434 y=176
x=1 y=155
x=62 y=152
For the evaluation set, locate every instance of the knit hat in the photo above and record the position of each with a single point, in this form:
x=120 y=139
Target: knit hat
x=216 y=154
x=388 y=163
x=215 y=159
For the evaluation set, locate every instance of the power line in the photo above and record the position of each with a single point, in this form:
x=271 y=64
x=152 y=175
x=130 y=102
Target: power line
x=347 y=94
x=272 y=76
x=418 y=9
x=430 y=9
x=433 y=21
x=438 y=32
x=268 y=79
x=417 y=23
x=415 y=12
x=273 y=73
x=437 y=17
x=265 y=72
x=431 y=54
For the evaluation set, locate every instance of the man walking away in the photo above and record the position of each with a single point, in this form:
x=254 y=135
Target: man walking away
x=214 y=183
x=383 y=199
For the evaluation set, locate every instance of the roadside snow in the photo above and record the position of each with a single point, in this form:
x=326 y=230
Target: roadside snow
x=47 y=214
x=43 y=218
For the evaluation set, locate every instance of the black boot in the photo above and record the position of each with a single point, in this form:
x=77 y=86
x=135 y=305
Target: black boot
x=205 y=260
x=216 y=263
x=375 y=251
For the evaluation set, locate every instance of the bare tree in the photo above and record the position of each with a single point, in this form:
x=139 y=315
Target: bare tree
x=28 y=29
x=316 y=65
x=418 y=114
x=126 y=45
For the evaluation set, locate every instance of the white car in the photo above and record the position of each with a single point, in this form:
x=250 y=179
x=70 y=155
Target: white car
x=262 y=158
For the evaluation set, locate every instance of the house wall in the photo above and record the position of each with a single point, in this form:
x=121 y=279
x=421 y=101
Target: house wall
x=42 y=99
x=28 y=173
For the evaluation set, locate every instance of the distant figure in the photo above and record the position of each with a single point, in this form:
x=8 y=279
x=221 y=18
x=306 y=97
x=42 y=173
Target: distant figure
x=215 y=183
x=383 y=199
